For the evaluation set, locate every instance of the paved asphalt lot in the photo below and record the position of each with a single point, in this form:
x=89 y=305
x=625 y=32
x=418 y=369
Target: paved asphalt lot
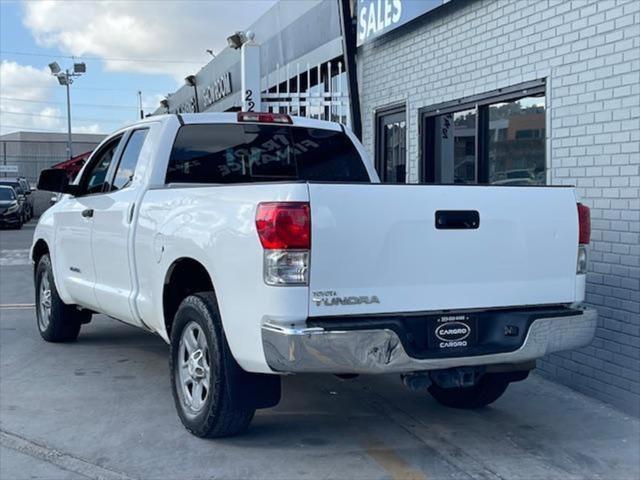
x=102 y=408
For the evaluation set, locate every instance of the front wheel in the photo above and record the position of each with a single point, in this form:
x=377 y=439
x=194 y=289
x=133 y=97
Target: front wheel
x=57 y=321
x=208 y=384
x=489 y=388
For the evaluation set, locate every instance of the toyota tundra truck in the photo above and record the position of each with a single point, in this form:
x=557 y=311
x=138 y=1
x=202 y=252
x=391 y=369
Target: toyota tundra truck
x=259 y=245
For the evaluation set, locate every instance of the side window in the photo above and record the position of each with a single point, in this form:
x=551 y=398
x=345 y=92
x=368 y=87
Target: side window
x=96 y=176
x=129 y=160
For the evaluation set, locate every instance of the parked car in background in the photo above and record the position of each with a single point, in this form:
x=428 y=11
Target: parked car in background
x=10 y=214
x=24 y=196
x=258 y=245
x=28 y=191
x=521 y=176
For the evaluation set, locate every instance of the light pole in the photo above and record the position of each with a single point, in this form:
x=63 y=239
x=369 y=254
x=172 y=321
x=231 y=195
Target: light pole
x=191 y=81
x=140 y=104
x=249 y=69
x=66 y=79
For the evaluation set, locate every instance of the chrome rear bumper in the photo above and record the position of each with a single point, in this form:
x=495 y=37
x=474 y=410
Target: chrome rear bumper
x=290 y=349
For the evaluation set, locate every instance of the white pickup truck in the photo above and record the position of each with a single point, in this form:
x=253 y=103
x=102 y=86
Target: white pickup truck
x=259 y=244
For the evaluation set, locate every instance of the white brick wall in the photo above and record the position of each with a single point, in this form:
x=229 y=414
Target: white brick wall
x=589 y=53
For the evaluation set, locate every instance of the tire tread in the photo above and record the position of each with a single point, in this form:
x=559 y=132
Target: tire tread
x=66 y=320
x=228 y=416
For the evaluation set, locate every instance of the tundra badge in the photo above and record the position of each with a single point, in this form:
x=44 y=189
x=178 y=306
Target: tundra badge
x=329 y=298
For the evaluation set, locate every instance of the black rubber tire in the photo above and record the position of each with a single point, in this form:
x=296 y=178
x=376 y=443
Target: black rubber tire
x=65 y=320
x=225 y=413
x=486 y=391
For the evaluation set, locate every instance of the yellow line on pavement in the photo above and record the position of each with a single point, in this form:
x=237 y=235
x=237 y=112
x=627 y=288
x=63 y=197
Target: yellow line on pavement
x=392 y=462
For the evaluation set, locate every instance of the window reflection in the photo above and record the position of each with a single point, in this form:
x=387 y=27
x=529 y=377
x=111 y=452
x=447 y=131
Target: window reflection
x=455 y=147
x=516 y=142
x=392 y=153
x=395 y=152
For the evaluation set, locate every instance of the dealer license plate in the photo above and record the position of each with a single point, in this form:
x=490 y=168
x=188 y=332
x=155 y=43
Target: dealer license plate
x=453 y=332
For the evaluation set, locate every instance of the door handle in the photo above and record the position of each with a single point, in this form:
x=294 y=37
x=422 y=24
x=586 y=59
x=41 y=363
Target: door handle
x=457 y=219
x=88 y=213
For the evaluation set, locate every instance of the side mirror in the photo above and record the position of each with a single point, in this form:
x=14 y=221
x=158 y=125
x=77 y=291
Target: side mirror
x=55 y=180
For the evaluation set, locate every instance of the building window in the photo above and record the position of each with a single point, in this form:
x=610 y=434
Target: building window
x=497 y=138
x=454 y=146
x=391 y=148
x=515 y=142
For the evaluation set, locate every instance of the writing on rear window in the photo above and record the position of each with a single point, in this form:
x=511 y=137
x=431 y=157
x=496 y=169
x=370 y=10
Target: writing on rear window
x=214 y=153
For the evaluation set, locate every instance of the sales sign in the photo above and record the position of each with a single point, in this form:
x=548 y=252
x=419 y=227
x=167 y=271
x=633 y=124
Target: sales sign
x=377 y=17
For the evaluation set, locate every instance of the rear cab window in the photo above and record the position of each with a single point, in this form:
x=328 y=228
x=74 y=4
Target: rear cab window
x=244 y=153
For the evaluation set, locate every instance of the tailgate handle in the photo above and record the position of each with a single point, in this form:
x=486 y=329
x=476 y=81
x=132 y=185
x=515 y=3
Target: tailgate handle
x=457 y=219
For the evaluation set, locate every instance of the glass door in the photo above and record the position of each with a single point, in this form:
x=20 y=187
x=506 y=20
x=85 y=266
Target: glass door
x=391 y=148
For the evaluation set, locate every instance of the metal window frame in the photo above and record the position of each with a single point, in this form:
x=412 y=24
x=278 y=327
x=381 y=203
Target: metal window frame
x=379 y=114
x=121 y=137
x=481 y=102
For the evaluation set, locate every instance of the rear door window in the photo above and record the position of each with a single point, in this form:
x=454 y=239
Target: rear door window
x=232 y=153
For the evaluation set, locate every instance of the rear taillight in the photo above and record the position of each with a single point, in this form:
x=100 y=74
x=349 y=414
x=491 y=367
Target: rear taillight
x=584 y=222
x=284 y=230
x=584 y=237
x=262 y=117
x=284 y=225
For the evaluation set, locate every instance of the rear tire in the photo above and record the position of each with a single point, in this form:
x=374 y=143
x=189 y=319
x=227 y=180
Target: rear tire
x=207 y=382
x=57 y=321
x=489 y=388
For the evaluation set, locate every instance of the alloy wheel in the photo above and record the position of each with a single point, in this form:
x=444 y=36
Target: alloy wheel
x=44 y=303
x=194 y=370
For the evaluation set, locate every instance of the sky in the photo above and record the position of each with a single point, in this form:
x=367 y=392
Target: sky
x=127 y=45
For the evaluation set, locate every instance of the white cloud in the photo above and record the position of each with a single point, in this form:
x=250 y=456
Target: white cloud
x=30 y=85
x=24 y=95
x=93 y=128
x=151 y=102
x=167 y=30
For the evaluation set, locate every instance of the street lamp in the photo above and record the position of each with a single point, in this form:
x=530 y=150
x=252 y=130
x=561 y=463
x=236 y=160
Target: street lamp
x=191 y=81
x=249 y=69
x=66 y=79
x=236 y=40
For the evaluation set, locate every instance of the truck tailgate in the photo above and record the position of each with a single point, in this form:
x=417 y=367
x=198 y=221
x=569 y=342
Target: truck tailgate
x=376 y=248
